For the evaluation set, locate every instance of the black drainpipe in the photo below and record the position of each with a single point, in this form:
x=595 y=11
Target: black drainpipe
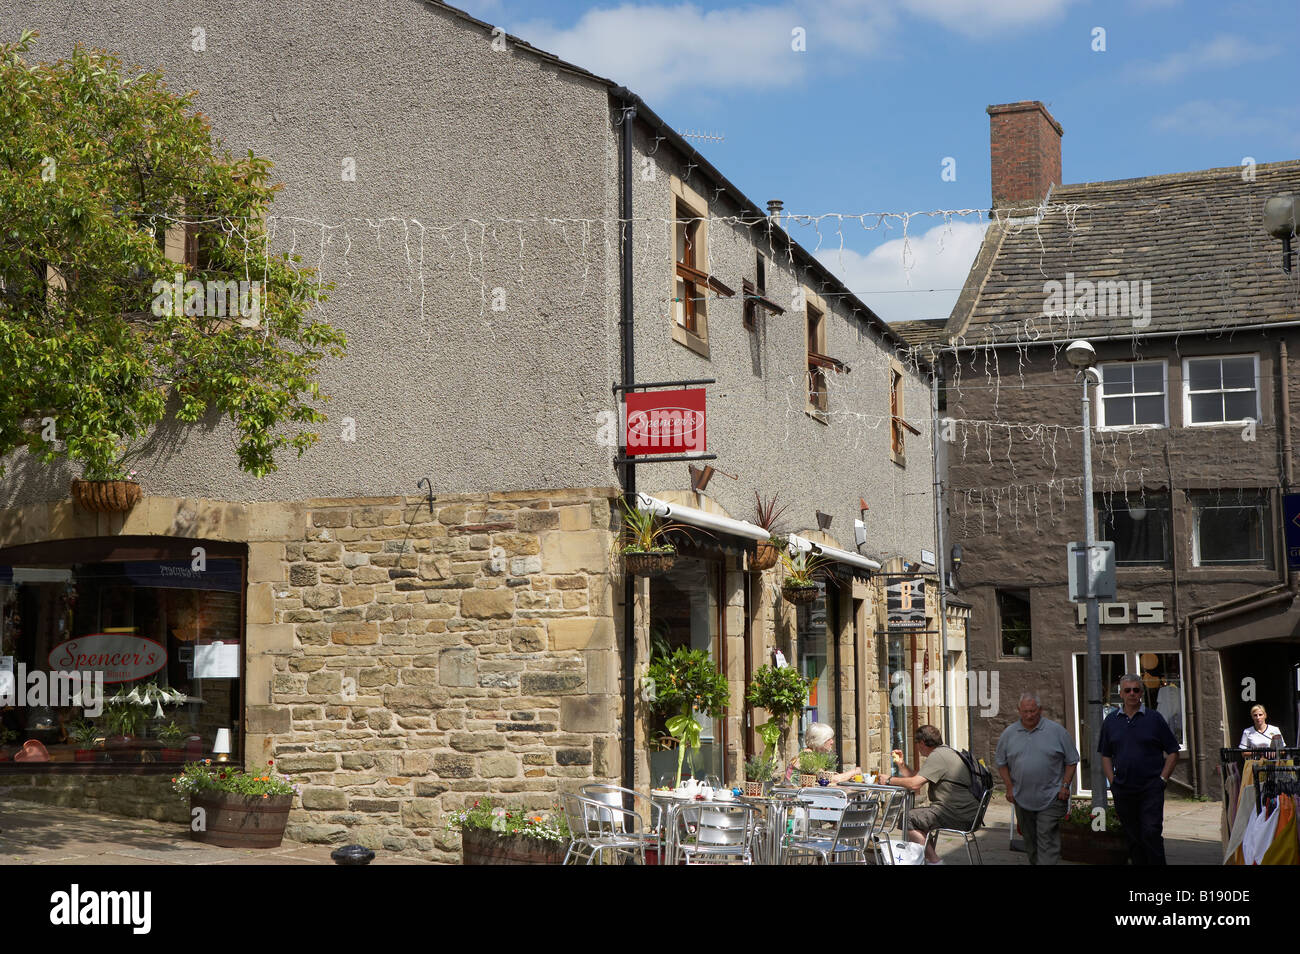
x=628 y=110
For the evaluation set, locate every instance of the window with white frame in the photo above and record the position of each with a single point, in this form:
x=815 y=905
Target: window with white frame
x=1220 y=390
x=1231 y=527
x=1133 y=395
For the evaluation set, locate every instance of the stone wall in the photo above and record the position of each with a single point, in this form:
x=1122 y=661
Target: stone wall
x=467 y=654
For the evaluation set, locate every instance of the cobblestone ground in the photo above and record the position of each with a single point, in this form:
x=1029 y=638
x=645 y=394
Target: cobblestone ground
x=32 y=834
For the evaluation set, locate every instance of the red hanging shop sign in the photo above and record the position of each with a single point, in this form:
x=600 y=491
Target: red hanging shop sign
x=665 y=422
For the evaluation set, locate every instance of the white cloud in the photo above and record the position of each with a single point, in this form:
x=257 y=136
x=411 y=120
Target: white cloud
x=658 y=49
x=894 y=279
x=1223 y=51
x=1230 y=117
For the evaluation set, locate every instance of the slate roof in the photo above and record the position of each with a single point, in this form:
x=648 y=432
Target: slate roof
x=1197 y=238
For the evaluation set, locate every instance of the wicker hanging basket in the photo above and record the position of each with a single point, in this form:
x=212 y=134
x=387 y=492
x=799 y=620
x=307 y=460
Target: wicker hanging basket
x=799 y=595
x=765 y=556
x=106 y=496
x=649 y=564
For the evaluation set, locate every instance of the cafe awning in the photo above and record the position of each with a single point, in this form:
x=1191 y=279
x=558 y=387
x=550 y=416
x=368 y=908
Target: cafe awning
x=834 y=553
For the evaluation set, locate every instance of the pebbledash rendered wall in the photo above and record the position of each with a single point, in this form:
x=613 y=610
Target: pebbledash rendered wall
x=399 y=664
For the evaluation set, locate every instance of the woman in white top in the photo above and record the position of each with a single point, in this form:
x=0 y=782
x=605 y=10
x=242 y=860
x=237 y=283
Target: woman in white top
x=1261 y=734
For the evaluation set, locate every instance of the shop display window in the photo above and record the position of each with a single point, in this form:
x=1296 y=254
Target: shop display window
x=119 y=655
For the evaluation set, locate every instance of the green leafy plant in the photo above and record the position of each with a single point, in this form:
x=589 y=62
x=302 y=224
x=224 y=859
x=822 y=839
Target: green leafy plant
x=7 y=736
x=782 y=692
x=99 y=328
x=759 y=769
x=84 y=733
x=123 y=720
x=207 y=776
x=801 y=569
x=1080 y=813
x=685 y=683
x=644 y=532
x=172 y=735
x=815 y=763
x=484 y=816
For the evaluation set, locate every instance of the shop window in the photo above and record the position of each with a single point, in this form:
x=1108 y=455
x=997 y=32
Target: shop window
x=1220 y=390
x=897 y=673
x=1133 y=395
x=138 y=621
x=816 y=628
x=1231 y=528
x=1138 y=525
x=1015 y=623
x=685 y=612
x=1162 y=681
x=1113 y=666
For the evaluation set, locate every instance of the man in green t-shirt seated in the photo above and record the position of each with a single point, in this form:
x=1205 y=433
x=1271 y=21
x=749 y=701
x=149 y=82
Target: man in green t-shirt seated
x=951 y=803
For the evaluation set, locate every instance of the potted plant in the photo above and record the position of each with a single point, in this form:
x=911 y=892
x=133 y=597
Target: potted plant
x=767 y=514
x=643 y=541
x=85 y=735
x=1084 y=843
x=782 y=692
x=495 y=835
x=233 y=808
x=106 y=488
x=815 y=767
x=7 y=739
x=172 y=736
x=759 y=772
x=800 y=585
x=122 y=722
x=684 y=683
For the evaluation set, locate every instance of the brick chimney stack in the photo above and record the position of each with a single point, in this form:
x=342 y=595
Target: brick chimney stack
x=1025 y=149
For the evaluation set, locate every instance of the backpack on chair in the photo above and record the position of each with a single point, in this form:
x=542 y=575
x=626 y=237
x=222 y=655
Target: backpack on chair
x=981 y=779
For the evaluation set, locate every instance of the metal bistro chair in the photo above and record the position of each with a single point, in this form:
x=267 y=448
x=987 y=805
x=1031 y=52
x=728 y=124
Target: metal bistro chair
x=968 y=835
x=714 y=833
x=827 y=809
x=889 y=802
x=626 y=800
x=598 y=827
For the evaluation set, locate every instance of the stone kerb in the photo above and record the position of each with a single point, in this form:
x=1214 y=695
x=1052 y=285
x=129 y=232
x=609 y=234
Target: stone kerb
x=441 y=658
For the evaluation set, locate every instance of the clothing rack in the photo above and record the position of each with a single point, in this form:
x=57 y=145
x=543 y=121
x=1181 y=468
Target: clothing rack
x=1237 y=757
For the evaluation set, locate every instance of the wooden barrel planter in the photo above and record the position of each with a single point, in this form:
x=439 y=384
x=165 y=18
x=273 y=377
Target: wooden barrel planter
x=765 y=556
x=106 y=496
x=479 y=847
x=1080 y=844
x=239 y=821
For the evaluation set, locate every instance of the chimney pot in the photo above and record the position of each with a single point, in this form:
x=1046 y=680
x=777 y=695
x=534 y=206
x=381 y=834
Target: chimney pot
x=774 y=206
x=1024 y=152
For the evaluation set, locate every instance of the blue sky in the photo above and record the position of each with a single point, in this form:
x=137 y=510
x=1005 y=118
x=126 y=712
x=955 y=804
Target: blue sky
x=863 y=118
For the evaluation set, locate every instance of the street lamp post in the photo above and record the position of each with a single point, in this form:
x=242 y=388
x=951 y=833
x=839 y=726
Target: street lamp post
x=1081 y=355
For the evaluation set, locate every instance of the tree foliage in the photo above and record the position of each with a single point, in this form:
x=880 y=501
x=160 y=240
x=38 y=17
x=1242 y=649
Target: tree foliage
x=96 y=163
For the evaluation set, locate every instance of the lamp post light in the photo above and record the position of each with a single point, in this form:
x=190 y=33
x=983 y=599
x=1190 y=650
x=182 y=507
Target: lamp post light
x=1081 y=355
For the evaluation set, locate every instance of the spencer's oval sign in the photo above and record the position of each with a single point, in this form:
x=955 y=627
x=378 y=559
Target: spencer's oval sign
x=665 y=422
x=121 y=657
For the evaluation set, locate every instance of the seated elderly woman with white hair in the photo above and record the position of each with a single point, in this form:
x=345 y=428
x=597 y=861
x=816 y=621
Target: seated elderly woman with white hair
x=821 y=738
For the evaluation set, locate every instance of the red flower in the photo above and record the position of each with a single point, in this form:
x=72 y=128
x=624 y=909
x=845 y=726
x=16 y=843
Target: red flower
x=270 y=761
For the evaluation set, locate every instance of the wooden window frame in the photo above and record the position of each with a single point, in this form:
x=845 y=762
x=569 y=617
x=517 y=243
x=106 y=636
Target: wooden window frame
x=815 y=367
x=899 y=425
x=690 y=318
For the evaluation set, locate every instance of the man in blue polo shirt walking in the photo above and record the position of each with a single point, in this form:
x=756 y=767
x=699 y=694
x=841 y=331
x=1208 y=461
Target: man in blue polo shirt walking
x=1138 y=754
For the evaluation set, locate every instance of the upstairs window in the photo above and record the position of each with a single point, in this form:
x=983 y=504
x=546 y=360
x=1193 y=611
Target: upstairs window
x=1133 y=395
x=1232 y=527
x=898 y=423
x=1015 y=623
x=692 y=284
x=817 y=396
x=1220 y=390
x=690 y=303
x=1139 y=526
x=756 y=299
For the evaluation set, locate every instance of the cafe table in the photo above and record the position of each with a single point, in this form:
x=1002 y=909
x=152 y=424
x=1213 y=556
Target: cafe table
x=668 y=808
x=776 y=806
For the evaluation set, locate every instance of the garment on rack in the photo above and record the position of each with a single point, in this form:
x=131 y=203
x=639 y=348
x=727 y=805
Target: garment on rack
x=1284 y=849
x=1231 y=791
x=1259 y=835
x=1232 y=855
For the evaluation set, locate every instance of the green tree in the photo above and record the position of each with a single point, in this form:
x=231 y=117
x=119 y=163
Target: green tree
x=96 y=164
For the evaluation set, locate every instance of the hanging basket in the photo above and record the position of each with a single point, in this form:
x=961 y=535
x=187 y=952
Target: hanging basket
x=765 y=556
x=649 y=564
x=799 y=595
x=106 y=496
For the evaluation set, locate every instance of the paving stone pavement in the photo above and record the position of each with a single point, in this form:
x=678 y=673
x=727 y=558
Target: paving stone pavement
x=33 y=834
x=1191 y=835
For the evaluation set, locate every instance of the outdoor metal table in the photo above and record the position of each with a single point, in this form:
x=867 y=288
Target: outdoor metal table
x=776 y=806
x=908 y=796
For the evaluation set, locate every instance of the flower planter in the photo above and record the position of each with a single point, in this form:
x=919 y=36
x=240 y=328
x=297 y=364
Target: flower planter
x=173 y=755
x=1079 y=843
x=84 y=755
x=765 y=556
x=239 y=821
x=807 y=781
x=754 y=789
x=799 y=595
x=479 y=847
x=648 y=564
x=106 y=496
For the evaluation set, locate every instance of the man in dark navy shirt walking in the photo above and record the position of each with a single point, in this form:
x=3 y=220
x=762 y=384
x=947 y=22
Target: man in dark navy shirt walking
x=1138 y=753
